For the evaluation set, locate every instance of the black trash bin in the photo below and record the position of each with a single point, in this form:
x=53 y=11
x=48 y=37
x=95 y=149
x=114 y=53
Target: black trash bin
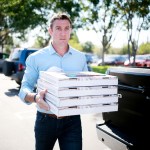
x=130 y=124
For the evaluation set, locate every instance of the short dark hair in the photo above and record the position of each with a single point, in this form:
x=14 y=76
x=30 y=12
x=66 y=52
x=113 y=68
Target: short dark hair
x=59 y=16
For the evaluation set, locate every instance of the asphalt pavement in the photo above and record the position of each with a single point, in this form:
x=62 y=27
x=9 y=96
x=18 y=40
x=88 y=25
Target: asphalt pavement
x=17 y=122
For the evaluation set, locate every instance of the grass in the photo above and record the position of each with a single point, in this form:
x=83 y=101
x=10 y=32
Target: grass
x=100 y=69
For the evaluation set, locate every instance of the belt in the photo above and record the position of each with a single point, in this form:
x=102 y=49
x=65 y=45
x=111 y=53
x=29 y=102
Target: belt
x=54 y=116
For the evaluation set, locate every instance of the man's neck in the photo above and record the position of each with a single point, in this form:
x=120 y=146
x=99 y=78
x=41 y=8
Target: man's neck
x=60 y=49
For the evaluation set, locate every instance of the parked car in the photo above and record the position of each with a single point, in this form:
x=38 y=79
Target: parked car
x=91 y=59
x=120 y=60
x=3 y=56
x=14 y=66
x=113 y=60
x=140 y=61
x=146 y=63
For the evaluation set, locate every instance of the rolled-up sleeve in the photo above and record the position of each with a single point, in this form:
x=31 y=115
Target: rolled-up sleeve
x=29 y=79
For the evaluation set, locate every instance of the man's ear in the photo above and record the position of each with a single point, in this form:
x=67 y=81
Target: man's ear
x=50 y=31
x=71 y=30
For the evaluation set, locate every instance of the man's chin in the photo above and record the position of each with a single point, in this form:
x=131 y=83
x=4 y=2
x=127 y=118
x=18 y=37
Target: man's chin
x=64 y=42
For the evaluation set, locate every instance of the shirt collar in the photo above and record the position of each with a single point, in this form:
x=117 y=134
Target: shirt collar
x=52 y=50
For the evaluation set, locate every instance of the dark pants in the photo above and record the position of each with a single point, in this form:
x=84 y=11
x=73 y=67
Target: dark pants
x=67 y=130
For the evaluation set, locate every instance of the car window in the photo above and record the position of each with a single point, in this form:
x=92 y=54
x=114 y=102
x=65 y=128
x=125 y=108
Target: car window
x=122 y=58
x=111 y=57
x=15 y=55
x=148 y=58
x=3 y=55
x=141 y=57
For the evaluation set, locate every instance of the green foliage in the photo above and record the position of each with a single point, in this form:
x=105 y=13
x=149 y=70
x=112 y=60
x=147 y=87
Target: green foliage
x=39 y=42
x=8 y=49
x=88 y=47
x=74 y=42
x=20 y=15
x=100 y=69
x=115 y=51
x=17 y=16
x=71 y=7
x=75 y=45
x=144 y=48
x=124 y=49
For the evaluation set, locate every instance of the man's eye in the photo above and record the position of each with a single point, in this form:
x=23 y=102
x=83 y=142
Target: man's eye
x=67 y=28
x=58 y=28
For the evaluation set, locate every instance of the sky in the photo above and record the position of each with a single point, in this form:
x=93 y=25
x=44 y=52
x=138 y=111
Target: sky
x=120 y=41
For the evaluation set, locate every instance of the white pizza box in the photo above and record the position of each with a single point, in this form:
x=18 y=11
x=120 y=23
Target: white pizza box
x=69 y=79
x=83 y=109
x=77 y=91
x=80 y=100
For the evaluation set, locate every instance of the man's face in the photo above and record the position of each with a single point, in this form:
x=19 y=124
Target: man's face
x=60 y=32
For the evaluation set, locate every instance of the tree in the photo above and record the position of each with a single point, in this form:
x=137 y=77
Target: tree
x=88 y=47
x=72 y=7
x=39 y=42
x=18 y=16
x=136 y=17
x=102 y=17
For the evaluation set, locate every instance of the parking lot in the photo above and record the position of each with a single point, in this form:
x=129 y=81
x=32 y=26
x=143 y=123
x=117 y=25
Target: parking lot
x=17 y=122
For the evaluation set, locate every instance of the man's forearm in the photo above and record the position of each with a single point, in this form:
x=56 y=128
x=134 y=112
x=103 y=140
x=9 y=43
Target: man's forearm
x=38 y=99
x=31 y=97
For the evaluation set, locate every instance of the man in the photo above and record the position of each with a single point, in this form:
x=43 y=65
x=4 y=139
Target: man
x=49 y=128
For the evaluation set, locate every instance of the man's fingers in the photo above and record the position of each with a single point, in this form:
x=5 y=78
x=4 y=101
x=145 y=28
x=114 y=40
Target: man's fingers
x=42 y=104
x=42 y=94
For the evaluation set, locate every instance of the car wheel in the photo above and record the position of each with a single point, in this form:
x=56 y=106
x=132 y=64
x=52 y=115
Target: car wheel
x=7 y=68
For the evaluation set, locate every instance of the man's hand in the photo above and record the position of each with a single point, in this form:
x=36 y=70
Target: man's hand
x=40 y=100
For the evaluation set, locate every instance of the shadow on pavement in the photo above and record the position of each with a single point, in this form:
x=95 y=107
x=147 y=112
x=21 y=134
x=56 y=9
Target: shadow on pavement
x=12 y=92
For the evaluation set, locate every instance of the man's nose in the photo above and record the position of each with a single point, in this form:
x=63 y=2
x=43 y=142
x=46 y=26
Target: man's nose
x=63 y=32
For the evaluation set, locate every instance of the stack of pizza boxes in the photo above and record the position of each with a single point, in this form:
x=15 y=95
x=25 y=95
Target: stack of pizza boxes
x=74 y=93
